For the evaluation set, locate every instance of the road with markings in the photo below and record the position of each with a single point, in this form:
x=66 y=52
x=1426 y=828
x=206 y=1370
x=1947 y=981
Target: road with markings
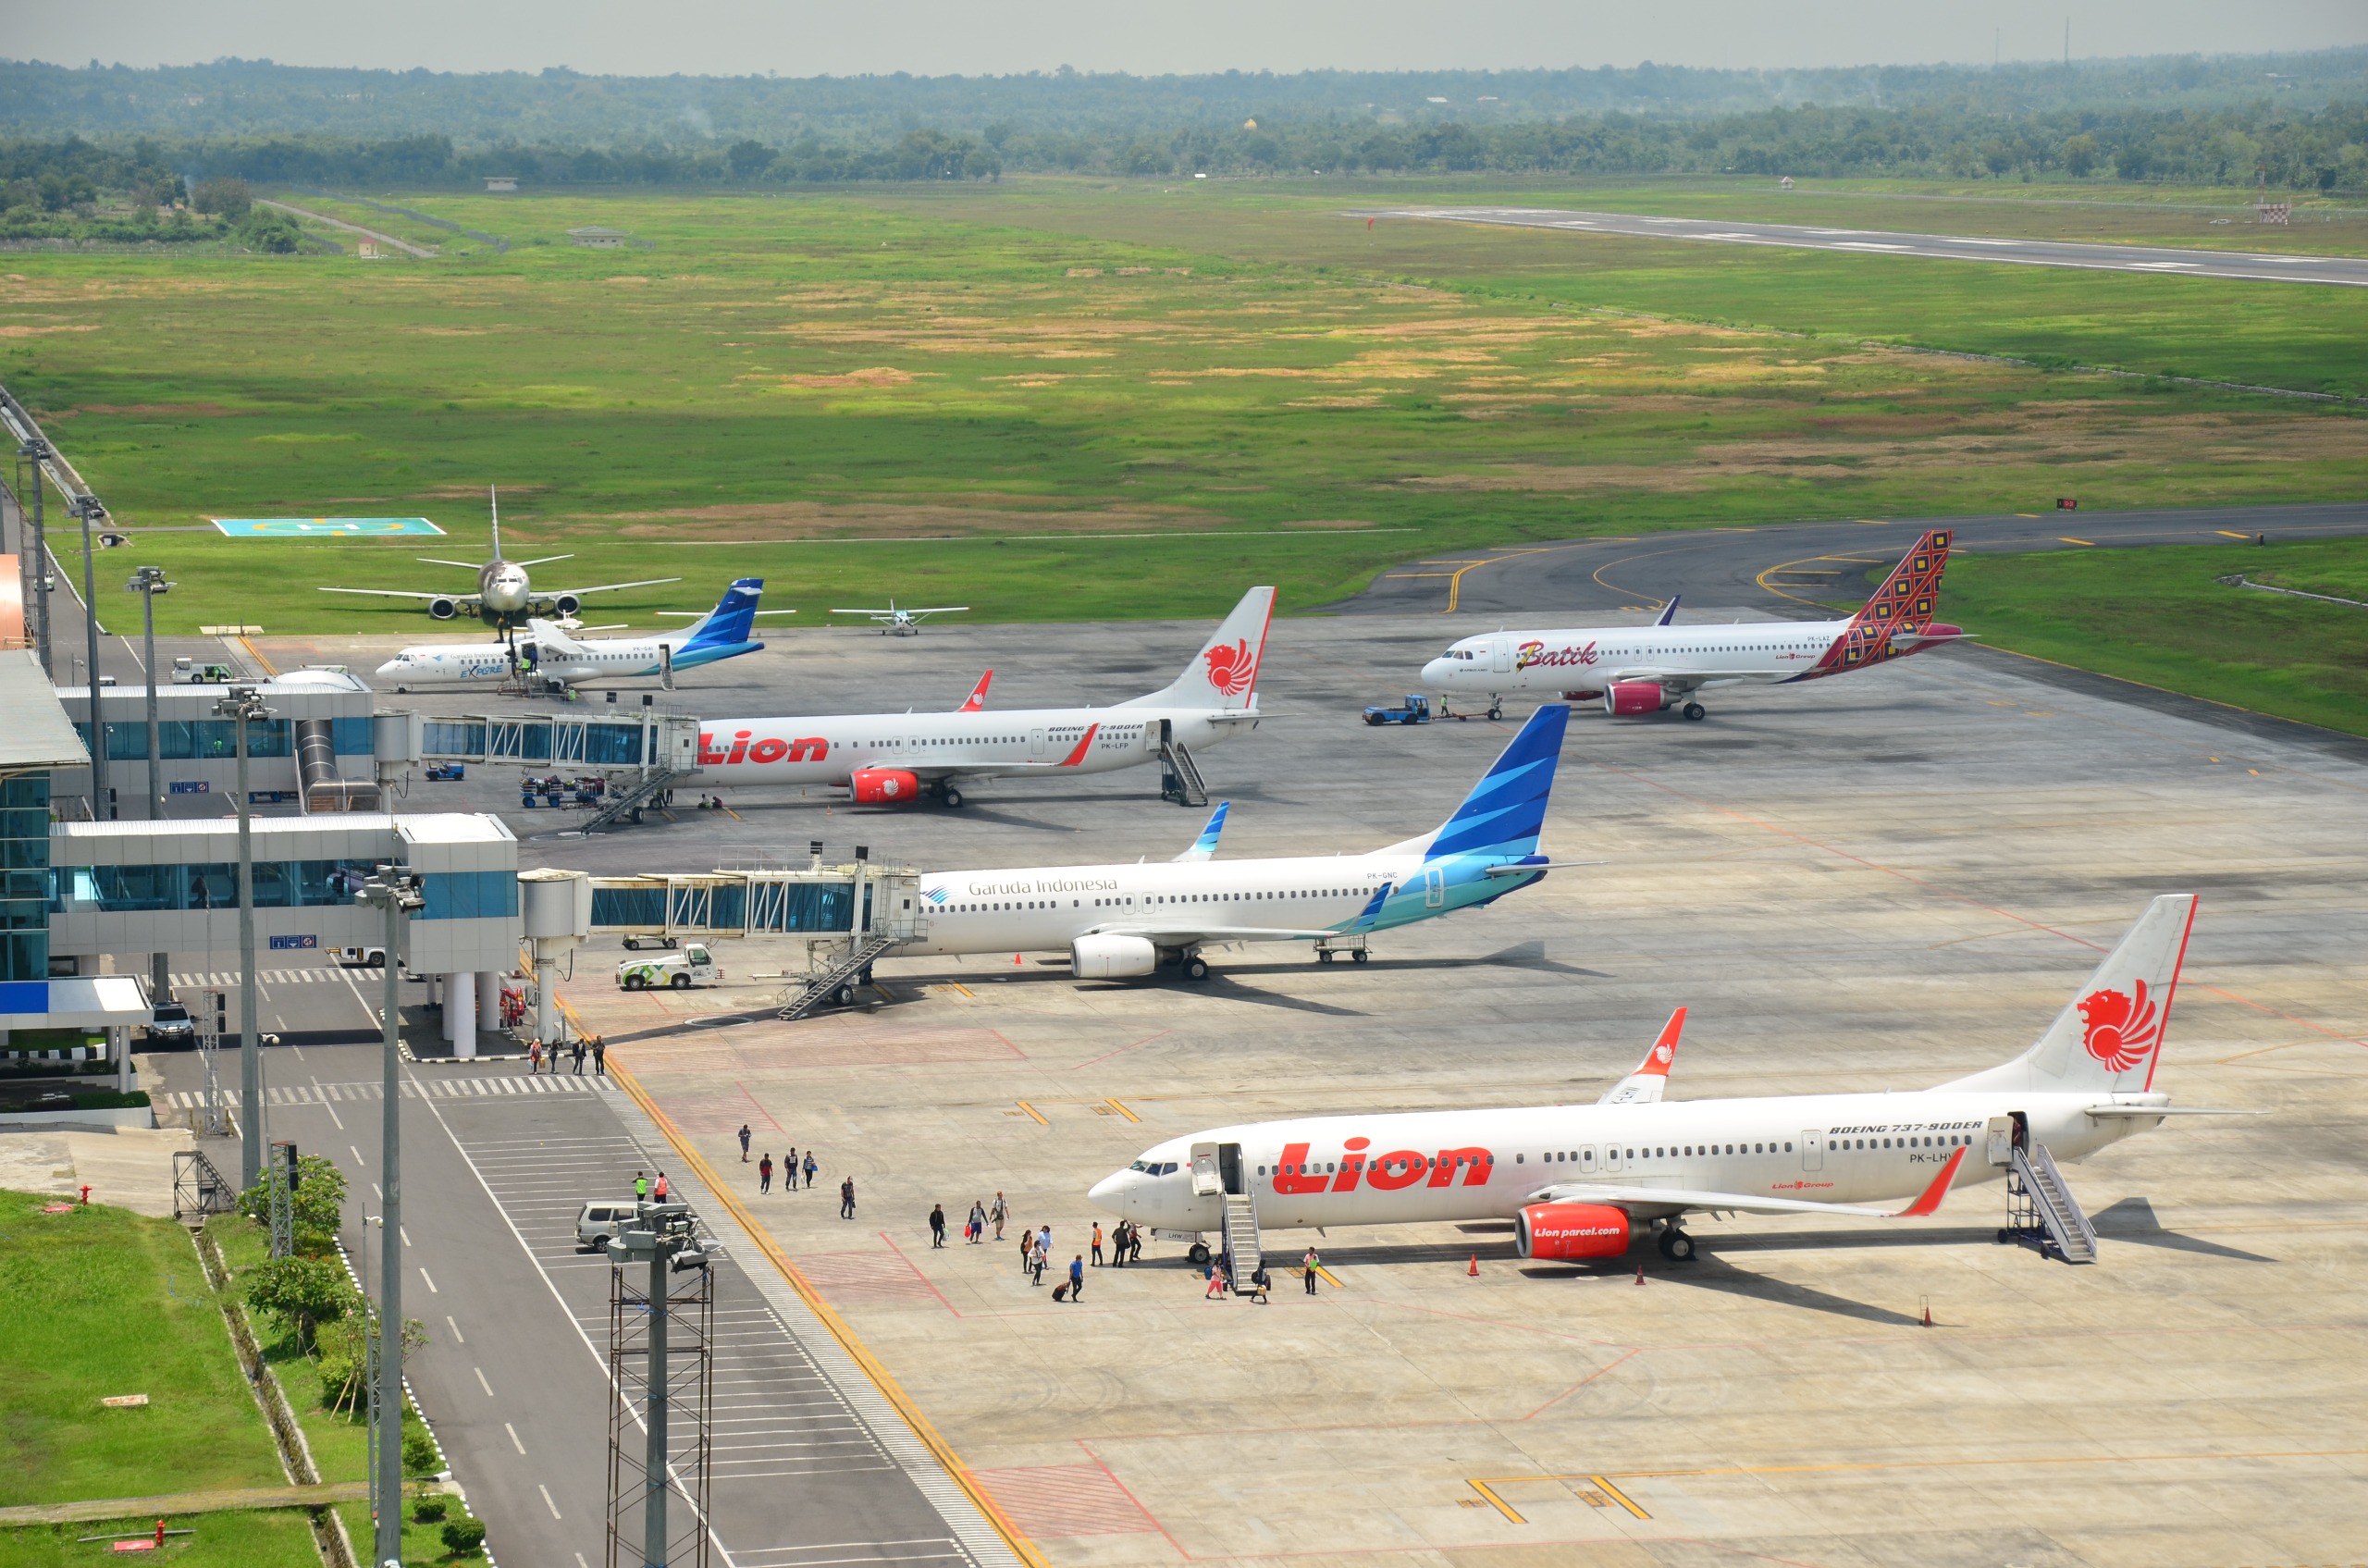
x=497 y=1164
x=2160 y=260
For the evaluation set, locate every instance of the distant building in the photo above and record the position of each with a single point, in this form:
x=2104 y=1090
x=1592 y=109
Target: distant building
x=500 y=182
x=368 y=250
x=596 y=237
x=1785 y=183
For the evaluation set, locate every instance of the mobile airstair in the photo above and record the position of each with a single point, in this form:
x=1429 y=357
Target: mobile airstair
x=1242 y=1248
x=2041 y=1210
x=1179 y=778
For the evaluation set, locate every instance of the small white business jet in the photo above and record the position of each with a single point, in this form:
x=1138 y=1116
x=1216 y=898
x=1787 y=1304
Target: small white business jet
x=549 y=653
x=505 y=596
x=1645 y=668
x=895 y=758
x=1120 y=920
x=896 y=623
x=1582 y=1181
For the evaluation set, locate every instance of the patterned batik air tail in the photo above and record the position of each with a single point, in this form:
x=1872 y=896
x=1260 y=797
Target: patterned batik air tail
x=2109 y=1037
x=1905 y=602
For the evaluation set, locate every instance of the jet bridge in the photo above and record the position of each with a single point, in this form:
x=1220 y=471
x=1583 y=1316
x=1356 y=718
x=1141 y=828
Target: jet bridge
x=835 y=911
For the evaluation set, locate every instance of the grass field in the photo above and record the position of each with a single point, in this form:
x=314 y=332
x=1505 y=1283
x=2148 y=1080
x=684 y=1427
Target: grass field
x=1053 y=401
x=2158 y=616
x=252 y=1538
x=100 y=1302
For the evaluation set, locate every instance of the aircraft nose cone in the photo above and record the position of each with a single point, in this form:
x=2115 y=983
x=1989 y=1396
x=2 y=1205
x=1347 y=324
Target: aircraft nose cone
x=1110 y=1192
x=392 y=667
x=1434 y=672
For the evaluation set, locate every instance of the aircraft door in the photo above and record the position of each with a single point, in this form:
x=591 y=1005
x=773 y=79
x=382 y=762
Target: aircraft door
x=1035 y=744
x=1229 y=1167
x=1500 y=655
x=1433 y=888
x=1611 y=1156
x=1586 y=1160
x=1206 y=1178
x=1813 y=1150
x=2001 y=1141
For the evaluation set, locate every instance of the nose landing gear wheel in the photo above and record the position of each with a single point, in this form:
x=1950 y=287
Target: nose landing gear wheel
x=1196 y=968
x=1199 y=1255
x=1496 y=709
x=1696 y=710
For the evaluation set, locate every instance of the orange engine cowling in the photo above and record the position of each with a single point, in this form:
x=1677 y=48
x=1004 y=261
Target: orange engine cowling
x=884 y=786
x=1558 y=1231
x=1621 y=698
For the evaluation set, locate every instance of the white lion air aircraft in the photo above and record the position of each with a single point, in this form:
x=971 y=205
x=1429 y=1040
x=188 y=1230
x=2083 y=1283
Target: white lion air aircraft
x=1580 y=1181
x=1647 y=669
x=890 y=759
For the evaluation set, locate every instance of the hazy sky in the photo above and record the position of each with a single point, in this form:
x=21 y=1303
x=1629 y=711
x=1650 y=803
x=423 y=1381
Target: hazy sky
x=974 y=37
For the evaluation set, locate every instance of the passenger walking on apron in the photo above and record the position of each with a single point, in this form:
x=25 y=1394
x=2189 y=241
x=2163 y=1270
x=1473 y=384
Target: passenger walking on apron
x=812 y=1166
x=1077 y=1276
x=937 y=1225
x=846 y=1191
x=743 y=1143
x=1308 y=1266
x=579 y=1059
x=978 y=1221
x=599 y=1057
x=765 y=1173
x=999 y=1213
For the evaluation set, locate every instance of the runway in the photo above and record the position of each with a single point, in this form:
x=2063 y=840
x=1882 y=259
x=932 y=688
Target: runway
x=2162 y=259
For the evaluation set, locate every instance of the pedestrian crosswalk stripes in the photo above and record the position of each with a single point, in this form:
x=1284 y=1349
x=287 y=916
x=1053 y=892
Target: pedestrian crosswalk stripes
x=439 y=1088
x=227 y=980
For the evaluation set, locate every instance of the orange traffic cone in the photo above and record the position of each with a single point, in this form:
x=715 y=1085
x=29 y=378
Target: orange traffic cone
x=1015 y=960
x=1928 y=1311
x=1473 y=1271
x=1640 y=1274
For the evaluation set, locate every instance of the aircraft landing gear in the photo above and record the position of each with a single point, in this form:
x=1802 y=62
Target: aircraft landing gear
x=952 y=798
x=1197 y=1254
x=1676 y=1245
x=1696 y=710
x=1496 y=706
x=1195 y=966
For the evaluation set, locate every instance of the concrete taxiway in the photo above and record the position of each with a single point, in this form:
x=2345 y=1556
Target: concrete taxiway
x=1878 y=881
x=2161 y=260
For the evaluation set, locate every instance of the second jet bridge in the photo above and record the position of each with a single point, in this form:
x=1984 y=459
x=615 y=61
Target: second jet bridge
x=859 y=909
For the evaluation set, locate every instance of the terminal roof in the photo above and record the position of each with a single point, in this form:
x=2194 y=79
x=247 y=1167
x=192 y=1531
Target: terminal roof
x=34 y=731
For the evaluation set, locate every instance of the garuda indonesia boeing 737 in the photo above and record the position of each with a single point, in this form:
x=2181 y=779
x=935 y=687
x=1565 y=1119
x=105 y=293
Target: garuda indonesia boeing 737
x=549 y=653
x=1128 y=919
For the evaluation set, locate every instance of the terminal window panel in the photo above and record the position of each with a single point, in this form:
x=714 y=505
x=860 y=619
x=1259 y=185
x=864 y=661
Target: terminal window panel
x=24 y=877
x=469 y=896
x=191 y=740
x=197 y=886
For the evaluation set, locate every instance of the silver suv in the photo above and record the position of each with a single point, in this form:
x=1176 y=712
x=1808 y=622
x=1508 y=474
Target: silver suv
x=171 y=1026
x=599 y=1220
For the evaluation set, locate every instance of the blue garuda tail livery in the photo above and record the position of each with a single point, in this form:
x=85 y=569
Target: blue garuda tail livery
x=550 y=652
x=1131 y=919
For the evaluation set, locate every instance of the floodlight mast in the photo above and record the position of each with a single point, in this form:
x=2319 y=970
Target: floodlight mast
x=395 y=892
x=101 y=809
x=242 y=706
x=148 y=582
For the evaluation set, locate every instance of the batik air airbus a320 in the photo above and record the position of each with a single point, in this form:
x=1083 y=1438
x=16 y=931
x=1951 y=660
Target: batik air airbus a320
x=1130 y=920
x=891 y=759
x=1582 y=1181
x=1647 y=669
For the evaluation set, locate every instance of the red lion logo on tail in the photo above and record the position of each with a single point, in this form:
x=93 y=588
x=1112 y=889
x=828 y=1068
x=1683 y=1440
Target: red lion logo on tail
x=2121 y=1029
x=1231 y=668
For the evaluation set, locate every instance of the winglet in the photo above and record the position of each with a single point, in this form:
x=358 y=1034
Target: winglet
x=1206 y=847
x=1929 y=1204
x=977 y=702
x=1645 y=1085
x=1669 y=612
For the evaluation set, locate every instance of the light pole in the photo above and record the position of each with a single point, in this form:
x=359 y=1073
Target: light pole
x=86 y=508
x=148 y=582
x=659 y=1236
x=242 y=707
x=395 y=892
x=38 y=449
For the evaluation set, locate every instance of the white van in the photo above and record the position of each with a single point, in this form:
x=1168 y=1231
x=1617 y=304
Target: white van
x=599 y=1220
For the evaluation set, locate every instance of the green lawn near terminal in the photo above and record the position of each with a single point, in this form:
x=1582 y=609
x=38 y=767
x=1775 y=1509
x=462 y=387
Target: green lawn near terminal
x=1059 y=399
x=101 y=1302
x=241 y=1538
x=2159 y=616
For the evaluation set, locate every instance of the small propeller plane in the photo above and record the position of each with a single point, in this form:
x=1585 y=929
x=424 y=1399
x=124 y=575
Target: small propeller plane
x=896 y=623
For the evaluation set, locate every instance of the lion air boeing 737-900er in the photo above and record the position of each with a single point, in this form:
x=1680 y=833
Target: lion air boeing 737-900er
x=1129 y=919
x=890 y=759
x=1581 y=1182
x=1647 y=669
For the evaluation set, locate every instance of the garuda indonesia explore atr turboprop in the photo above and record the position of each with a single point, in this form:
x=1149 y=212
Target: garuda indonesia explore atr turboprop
x=1128 y=919
x=1645 y=668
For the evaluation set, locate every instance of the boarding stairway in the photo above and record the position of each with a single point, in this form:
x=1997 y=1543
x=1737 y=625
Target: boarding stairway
x=2042 y=1210
x=1179 y=779
x=841 y=976
x=1241 y=1238
x=626 y=804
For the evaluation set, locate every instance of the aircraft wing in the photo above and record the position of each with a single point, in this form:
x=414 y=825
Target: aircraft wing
x=602 y=588
x=404 y=593
x=1183 y=935
x=1679 y=1199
